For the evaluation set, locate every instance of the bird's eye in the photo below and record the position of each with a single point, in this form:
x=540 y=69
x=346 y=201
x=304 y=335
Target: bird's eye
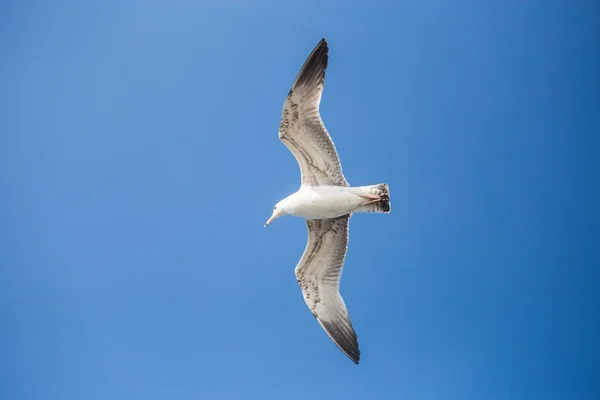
x=275 y=208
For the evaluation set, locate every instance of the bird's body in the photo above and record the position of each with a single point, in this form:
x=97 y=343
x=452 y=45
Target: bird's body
x=325 y=200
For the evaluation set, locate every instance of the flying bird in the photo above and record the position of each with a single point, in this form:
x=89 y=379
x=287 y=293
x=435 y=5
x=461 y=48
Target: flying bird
x=325 y=200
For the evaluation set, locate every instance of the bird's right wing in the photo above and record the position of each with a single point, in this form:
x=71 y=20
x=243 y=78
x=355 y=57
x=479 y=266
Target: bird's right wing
x=318 y=274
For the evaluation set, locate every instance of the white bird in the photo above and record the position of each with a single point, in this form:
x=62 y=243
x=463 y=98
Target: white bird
x=325 y=200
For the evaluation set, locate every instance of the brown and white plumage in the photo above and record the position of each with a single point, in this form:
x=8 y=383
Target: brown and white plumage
x=302 y=129
x=320 y=268
x=318 y=274
x=325 y=200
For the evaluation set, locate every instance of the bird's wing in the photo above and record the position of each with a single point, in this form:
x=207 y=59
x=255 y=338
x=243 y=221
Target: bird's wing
x=318 y=274
x=302 y=129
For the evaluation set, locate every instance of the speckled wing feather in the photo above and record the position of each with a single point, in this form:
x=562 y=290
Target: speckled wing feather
x=302 y=129
x=318 y=274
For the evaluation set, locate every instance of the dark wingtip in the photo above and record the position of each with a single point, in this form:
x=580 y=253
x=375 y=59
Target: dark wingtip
x=344 y=339
x=313 y=70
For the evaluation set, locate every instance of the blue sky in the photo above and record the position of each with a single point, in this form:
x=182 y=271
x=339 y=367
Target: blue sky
x=139 y=160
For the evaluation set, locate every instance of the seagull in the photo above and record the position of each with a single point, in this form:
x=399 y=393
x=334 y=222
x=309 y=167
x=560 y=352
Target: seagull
x=325 y=200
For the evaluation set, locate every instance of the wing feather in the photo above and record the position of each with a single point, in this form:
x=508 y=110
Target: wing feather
x=302 y=129
x=318 y=274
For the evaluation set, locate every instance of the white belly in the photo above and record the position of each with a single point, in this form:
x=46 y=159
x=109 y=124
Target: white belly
x=323 y=202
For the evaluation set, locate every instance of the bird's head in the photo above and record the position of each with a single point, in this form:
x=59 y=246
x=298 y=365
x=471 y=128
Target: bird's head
x=278 y=211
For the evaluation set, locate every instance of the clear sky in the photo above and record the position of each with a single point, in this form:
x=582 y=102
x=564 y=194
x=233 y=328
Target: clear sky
x=139 y=160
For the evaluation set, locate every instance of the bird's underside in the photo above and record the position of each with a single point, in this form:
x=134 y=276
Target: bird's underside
x=319 y=270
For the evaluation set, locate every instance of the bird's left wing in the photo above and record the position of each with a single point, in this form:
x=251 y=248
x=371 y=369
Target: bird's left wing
x=302 y=129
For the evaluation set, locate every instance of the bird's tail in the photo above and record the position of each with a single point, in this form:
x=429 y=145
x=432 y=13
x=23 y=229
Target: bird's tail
x=377 y=199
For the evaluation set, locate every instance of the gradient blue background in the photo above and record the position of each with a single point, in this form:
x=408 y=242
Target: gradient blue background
x=139 y=160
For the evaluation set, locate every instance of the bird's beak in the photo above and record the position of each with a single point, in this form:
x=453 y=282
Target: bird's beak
x=270 y=220
x=276 y=214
